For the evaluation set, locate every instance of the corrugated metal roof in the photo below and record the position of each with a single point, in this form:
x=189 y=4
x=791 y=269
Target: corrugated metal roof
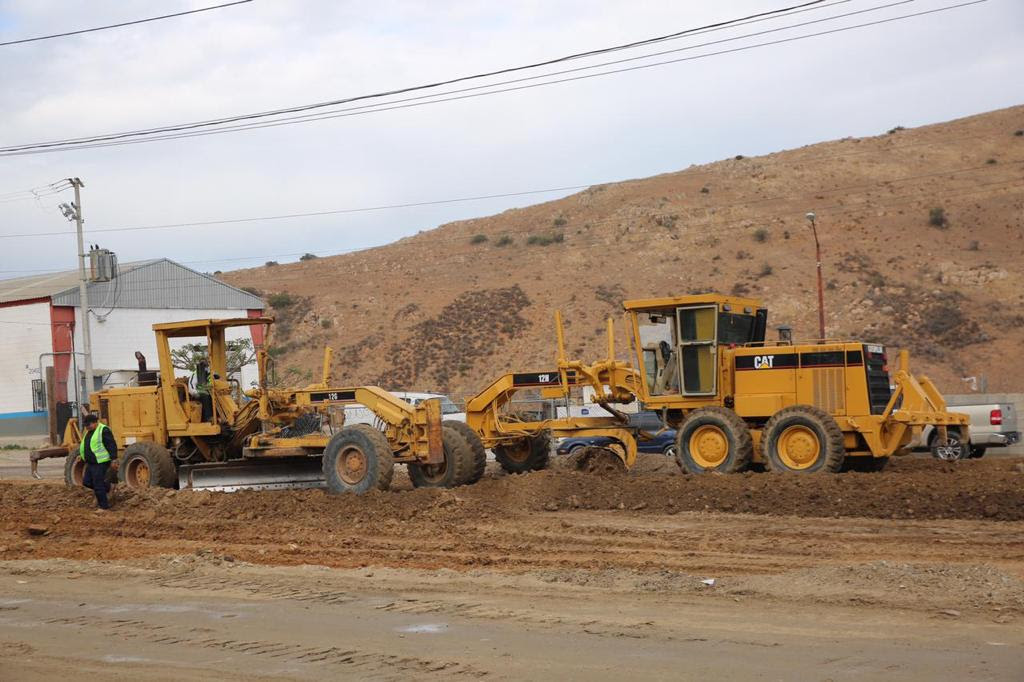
x=45 y=286
x=159 y=283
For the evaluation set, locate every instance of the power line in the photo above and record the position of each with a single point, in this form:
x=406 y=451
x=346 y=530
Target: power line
x=122 y=24
x=168 y=133
x=399 y=91
x=715 y=225
x=488 y=89
x=341 y=211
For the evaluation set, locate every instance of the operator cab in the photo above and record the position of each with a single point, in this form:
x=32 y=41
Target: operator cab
x=678 y=339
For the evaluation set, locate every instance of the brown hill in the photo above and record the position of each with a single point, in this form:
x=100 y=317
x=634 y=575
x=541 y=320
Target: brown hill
x=922 y=233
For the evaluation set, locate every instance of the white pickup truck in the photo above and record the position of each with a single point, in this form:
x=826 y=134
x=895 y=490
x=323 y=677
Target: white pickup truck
x=992 y=425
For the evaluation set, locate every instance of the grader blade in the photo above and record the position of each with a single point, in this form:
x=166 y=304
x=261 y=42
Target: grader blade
x=253 y=474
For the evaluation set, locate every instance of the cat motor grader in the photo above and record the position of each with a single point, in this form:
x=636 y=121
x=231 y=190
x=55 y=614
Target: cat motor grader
x=278 y=438
x=735 y=399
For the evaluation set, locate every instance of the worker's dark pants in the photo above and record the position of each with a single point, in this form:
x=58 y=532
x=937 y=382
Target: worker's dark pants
x=96 y=478
x=207 y=404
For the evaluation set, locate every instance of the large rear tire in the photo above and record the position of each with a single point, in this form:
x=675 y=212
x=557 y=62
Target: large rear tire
x=456 y=469
x=74 y=470
x=475 y=444
x=713 y=439
x=802 y=439
x=358 y=459
x=527 y=454
x=147 y=465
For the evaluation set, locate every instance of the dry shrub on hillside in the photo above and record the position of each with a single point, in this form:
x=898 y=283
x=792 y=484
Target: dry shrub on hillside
x=447 y=345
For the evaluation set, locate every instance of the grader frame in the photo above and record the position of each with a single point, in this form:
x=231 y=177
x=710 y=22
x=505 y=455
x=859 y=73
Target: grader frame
x=735 y=399
x=276 y=439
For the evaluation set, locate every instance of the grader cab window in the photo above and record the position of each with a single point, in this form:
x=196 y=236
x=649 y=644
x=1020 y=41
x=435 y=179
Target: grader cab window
x=698 y=328
x=658 y=344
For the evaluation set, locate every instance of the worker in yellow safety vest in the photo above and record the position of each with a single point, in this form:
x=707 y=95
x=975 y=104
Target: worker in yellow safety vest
x=98 y=450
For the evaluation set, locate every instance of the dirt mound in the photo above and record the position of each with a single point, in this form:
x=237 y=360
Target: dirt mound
x=911 y=488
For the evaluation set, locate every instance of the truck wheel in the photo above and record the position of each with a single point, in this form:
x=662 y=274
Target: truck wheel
x=950 y=451
x=802 y=439
x=476 y=445
x=358 y=459
x=147 y=465
x=713 y=439
x=526 y=454
x=74 y=470
x=456 y=468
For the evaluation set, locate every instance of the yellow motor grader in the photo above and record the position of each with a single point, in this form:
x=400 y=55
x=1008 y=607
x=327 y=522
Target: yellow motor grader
x=734 y=399
x=278 y=438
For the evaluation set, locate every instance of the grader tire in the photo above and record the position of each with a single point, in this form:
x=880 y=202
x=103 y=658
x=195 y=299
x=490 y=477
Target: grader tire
x=456 y=469
x=802 y=439
x=74 y=470
x=713 y=439
x=477 y=445
x=527 y=454
x=358 y=459
x=147 y=465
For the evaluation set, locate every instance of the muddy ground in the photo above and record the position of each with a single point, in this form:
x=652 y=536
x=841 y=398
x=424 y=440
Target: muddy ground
x=913 y=573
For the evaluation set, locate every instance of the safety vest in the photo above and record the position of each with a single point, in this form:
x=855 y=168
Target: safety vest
x=99 y=450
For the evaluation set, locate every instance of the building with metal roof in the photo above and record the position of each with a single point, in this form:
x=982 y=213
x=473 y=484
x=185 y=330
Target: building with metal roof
x=41 y=341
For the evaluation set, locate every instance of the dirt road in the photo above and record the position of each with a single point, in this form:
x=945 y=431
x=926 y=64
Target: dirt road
x=914 y=574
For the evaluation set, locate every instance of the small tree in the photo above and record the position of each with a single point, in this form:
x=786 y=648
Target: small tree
x=240 y=353
x=270 y=263
x=937 y=218
x=478 y=239
x=308 y=256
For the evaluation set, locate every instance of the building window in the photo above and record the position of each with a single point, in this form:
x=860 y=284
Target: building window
x=38 y=396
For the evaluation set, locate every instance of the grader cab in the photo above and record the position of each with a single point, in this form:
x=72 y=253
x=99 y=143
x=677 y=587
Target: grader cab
x=171 y=435
x=735 y=399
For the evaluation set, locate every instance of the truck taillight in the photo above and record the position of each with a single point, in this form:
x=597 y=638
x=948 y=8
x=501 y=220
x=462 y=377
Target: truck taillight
x=995 y=417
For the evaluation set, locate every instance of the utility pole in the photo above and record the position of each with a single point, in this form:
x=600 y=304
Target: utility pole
x=83 y=288
x=821 y=289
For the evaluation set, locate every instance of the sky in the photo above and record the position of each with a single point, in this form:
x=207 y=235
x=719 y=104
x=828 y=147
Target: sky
x=268 y=54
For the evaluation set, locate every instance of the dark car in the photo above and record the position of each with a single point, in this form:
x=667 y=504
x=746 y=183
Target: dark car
x=664 y=442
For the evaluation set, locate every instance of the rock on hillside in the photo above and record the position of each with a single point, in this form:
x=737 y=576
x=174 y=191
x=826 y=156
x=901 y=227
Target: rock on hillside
x=922 y=232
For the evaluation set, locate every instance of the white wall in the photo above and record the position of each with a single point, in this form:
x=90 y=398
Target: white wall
x=24 y=334
x=127 y=330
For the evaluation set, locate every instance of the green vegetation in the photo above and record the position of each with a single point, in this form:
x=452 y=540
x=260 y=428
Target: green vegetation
x=760 y=235
x=308 y=256
x=270 y=263
x=478 y=239
x=937 y=218
x=545 y=239
x=505 y=240
x=280 y=300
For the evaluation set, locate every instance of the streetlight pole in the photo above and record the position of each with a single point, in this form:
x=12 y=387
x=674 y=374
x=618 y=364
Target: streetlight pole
x=83 y=288
x=821 y=289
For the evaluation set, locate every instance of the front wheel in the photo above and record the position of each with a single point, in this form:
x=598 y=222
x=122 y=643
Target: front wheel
x=358 y=459
x=456 y=469
x=74 y=469
x=526 y=454
x=670 y=450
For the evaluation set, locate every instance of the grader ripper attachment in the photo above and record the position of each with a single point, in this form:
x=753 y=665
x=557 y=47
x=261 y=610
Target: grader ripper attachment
x=277 y=438
x=735 y=400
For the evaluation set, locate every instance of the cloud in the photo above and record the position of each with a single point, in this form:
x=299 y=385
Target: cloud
x=269 y=54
